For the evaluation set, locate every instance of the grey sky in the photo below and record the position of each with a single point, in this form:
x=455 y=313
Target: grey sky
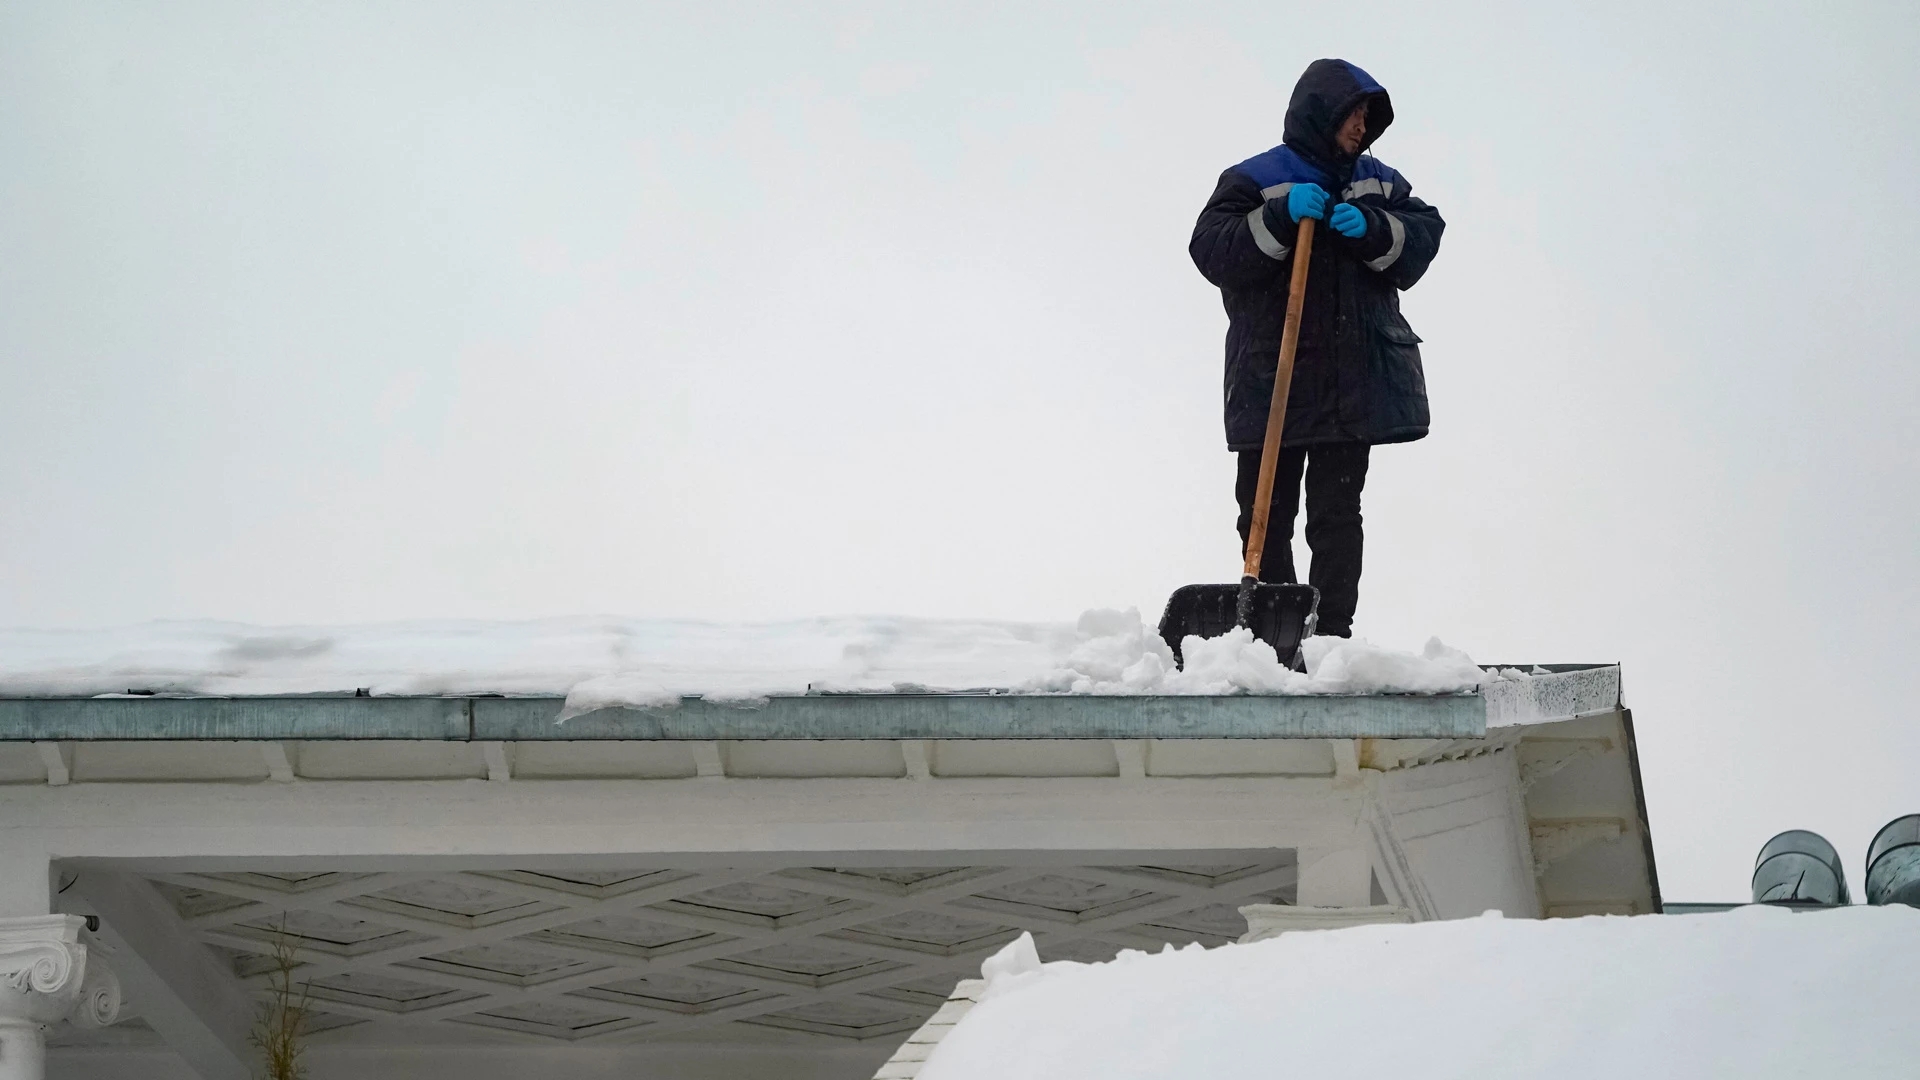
x=357 y=311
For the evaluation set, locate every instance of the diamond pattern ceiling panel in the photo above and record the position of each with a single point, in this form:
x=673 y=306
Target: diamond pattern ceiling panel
x=383 y=991
x=566 y=1018
x=806 y=964
x=634 y=934
x=1057 y=897
x=833 y=953
x=752 y=901
x=675 y=993
x=456 y=902
x=931 y=931
x=592 y=883
x=508 y=962
x=194 y=903
x=339 y=931
x=296 y=881
x=848 y=1019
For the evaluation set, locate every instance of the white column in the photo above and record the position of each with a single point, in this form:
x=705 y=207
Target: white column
x=47 y=975
x=23 y=1050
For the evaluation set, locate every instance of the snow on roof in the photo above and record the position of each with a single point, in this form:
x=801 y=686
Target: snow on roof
x=1756 y=993
x=598 y=662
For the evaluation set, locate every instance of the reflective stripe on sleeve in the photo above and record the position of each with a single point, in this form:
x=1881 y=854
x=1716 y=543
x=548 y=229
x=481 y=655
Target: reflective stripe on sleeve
x=1263 y=237
x=1369 y=186
x=1277 y=191
x=1399 y=232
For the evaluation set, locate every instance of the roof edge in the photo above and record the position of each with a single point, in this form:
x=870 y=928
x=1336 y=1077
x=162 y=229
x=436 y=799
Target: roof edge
x=810 y=717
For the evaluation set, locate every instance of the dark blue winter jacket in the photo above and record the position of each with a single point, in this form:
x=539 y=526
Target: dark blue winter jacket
x=1357 y=375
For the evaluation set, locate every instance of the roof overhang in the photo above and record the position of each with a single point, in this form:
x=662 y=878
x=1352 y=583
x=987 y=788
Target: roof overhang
x=810 y=717
x=1562 y=691
x=892 y=827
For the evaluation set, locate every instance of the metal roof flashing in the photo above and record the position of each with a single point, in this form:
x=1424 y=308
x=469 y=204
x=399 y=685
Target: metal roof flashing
x=811 y=717
x=1552 y=694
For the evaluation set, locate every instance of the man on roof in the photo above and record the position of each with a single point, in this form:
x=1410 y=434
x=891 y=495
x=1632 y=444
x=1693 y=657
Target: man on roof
x=1357 y=381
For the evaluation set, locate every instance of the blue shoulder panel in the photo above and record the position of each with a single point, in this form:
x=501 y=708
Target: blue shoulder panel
x=1279 y=166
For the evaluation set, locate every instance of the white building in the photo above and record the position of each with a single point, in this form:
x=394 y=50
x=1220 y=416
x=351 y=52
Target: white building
x=714 y=891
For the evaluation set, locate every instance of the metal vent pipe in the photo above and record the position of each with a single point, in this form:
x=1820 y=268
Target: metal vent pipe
x=1893 y=863
x=1799 y=867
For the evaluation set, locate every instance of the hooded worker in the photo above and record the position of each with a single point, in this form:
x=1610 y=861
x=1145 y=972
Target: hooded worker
x=1357 y=380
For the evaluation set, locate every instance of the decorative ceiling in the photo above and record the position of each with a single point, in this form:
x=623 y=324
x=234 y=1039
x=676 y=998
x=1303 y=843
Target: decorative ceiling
x=832 y=953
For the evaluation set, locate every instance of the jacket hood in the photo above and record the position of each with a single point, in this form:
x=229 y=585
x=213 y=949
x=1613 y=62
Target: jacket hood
x=1325 y=94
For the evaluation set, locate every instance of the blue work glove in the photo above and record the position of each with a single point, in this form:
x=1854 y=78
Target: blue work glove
x=1306 y=201
x=1348 y=221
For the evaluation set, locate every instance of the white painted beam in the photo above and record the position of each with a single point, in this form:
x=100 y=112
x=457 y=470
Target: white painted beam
x=918 y=755
x=1346 y=760
x=424 y=826
x=707 y=762
x=498 y=767
x=1520 y=838
x=1398 y=879
x=181 y=990
x=54 y=757
x=279 y=762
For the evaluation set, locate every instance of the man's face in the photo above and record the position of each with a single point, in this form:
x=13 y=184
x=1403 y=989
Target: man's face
x=1352 y=130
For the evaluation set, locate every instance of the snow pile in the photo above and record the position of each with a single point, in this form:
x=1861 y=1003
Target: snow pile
x=646 y=663
x=1755 y=993
x=1359 y=667
x=1010 y=966
x=1115 y=653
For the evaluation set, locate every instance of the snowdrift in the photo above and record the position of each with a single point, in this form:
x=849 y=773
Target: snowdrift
x=1754 y=994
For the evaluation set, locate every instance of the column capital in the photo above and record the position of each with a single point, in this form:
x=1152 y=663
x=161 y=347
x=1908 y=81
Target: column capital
x=1271 y=920
x=48 y=975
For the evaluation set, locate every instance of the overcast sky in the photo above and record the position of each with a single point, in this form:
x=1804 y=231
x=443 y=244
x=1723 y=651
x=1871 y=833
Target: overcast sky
x=350 y=312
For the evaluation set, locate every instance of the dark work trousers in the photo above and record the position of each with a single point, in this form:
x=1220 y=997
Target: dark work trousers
x=1335 y=473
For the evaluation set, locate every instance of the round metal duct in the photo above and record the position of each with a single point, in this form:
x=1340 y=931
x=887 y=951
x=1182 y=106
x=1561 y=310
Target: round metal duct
x=1799 y=867
x=1893 y=863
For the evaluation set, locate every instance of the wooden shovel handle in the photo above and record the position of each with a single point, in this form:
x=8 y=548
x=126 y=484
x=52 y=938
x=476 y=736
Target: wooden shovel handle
x=1277 y=412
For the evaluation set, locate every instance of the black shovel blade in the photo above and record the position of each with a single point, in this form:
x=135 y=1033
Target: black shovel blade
x=1281 y=616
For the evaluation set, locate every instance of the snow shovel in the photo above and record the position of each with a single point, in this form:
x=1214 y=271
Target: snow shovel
x=1280 y=615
